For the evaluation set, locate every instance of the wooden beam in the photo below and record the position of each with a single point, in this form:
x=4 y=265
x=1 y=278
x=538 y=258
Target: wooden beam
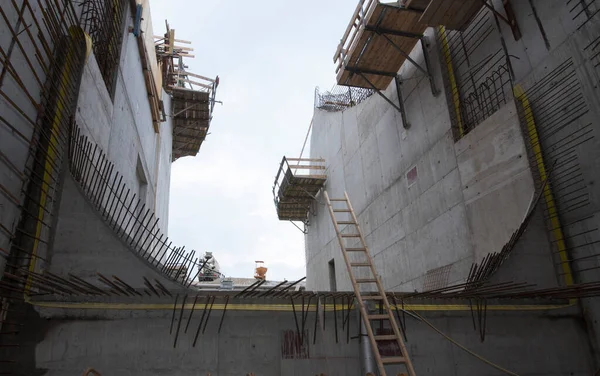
x=171 y=37
x=306 y=159
x=174 y=40
x=178 y=72
x=195 y=83
x=178 y=47
x=307 y=167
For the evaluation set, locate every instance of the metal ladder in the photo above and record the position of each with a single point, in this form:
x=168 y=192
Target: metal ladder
x=345 y=208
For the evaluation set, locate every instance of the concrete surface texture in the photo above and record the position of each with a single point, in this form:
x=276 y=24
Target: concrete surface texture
x=84 y=244
x=440 y=218
x=17 y=126
x=140 y=342
x=123 y=128
x=428 y=203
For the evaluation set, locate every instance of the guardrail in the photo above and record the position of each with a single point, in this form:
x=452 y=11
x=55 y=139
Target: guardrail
x=363 y=11
x=340 y=98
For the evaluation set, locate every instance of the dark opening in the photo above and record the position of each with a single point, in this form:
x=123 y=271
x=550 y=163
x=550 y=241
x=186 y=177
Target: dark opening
x=332 y=283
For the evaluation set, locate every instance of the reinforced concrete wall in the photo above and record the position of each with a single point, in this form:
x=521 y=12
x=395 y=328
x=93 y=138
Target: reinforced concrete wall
x=132 y=341
x=123 y=128
x=428 y=205
x=431 y=202
x=140 y=342
x=84 y=245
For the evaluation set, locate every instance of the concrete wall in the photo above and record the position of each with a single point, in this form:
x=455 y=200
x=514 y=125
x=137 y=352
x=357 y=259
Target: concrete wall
x=442 y=218
x=123 y=127
x=84 y=244
x=16 y=127
x=139 y=343
x=470 y=195
x=124 y=341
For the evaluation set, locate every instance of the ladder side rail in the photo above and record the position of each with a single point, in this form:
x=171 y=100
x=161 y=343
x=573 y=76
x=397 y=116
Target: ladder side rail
x=386 y=303
x=361 y=305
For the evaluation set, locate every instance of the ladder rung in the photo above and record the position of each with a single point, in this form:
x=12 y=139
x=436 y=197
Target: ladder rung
x=372 y=297
x=378 y=317
x=387 y=337
x=346 y=222
x=366 y=280
x=360 y=264
x=355 y=249
x=341 y=210
x=350 y=235
x=337 y=199
x=393 y=359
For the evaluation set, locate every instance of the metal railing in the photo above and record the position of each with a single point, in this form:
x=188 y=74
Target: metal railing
x=286 y=177
x=340 y=98
x=352 y=33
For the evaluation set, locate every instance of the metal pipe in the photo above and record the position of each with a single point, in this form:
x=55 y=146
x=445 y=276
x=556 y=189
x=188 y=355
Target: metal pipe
x=367 y=361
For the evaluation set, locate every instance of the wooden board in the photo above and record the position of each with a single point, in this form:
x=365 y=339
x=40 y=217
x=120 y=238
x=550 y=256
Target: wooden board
x=191 y=120
x=371 y=51
x=296 y=194
x=453 y=14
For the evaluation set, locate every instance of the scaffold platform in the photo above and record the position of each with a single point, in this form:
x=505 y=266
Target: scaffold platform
x=377 y=42
x=381 y=35
x=296 y=186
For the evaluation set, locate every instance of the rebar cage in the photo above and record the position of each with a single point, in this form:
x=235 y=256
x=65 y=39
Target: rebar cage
x=477 y=82
x=103 y=20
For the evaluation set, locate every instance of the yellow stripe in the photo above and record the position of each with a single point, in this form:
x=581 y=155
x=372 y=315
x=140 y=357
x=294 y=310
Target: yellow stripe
x=289 y=308
x=548 y=196
x=53 y=144
x=453 y=86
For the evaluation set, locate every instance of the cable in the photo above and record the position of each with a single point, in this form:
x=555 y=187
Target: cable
x=464 y=348
x=305 y=140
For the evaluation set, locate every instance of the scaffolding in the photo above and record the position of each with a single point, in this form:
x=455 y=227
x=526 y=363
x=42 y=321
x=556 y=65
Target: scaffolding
x=377 y=42
x=193 y=95
x=296 y=186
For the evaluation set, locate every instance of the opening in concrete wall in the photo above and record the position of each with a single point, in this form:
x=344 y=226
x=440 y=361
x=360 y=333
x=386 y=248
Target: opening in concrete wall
x=332 y=283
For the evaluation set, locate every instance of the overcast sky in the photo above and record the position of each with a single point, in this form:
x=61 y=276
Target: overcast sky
x=270 y=56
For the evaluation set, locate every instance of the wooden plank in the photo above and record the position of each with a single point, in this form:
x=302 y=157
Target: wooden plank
x=194 y=75
x=379 y=55
x=174 y=40
x=430 y=11
x=307 y=167
x=355 y=15
x=177 y=47
x=469 y=14
x=451 y=16
x=195 y=83
x=441 y=12
x=306 y=159
x=171 y=37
